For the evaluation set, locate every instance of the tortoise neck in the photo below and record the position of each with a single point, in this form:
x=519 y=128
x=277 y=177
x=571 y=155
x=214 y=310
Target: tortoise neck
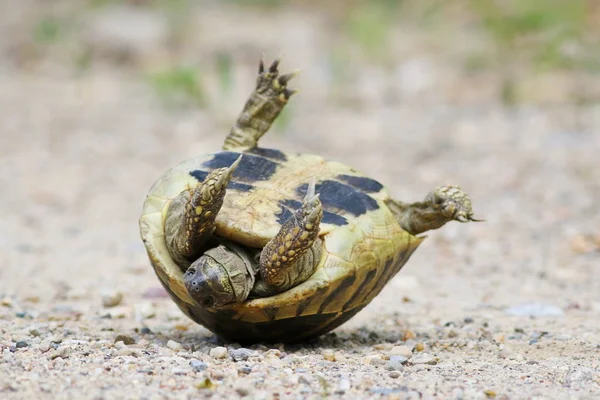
x=418 y=217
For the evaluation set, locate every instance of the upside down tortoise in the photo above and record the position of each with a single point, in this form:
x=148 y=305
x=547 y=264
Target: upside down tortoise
x=257 y=244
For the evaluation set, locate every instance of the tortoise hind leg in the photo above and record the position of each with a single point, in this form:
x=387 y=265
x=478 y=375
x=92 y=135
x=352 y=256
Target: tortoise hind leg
x=261 y=109
x=292 y=255
x=190 y=219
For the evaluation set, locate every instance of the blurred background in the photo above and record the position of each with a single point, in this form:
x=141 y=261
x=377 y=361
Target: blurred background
x=99 y=97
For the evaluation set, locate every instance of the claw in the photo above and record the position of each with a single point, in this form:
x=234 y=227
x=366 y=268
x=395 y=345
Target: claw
x=470 y=218
x=287 y=93
x=274 y=65
x=226 y=175
x=235 y=164
x=310 y=190
x=284 y=79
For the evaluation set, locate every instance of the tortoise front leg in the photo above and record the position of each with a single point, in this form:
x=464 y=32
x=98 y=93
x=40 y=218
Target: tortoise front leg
x=292 y=255
x=442 y=205
x=261 y=109
x=190 y=219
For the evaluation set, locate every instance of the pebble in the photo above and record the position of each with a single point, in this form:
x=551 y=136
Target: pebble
x=218 y=352
x=34 y=331
x=328 y=355
x=127 y=351
x=60 y=353
x=374 y=359
x=424 y=358
x=394 y=374
x=144 y=311
x=55 y=339
x=382 y=346
x=173 y=345
x=401 y=351
x=111 y=298
x=409 y=335
x=340 y=357
x=343 y=386
x=198 y=365
x=21 y=344
x=125 y=339
x=145 y=330
x=244 y=370
x=395 y=363
x=273 y=352
x=6 y=302
x=241 y=354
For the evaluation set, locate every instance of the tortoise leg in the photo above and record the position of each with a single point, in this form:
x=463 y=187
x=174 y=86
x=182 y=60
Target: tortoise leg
x=444 y=204
x=261 y=109
x=190 y=219
x=292 y=255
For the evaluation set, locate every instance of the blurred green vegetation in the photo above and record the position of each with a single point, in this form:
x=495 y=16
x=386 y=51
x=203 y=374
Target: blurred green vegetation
x=47 y=30
x=178 y=86
x=548 y=33
x=522 y=38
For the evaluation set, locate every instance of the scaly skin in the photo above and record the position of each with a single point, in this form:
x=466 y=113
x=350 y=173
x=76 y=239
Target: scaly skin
x=286 y=261
x=442 y=205
x=261 y=109
x=190 y=220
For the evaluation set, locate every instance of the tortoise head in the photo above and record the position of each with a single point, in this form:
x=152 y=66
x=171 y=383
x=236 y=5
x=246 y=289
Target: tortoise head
x=218 y=278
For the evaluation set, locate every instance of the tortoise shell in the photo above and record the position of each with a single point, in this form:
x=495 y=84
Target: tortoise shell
x=363 y=242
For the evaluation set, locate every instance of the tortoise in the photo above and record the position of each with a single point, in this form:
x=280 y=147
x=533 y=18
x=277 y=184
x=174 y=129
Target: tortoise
x=261 y=245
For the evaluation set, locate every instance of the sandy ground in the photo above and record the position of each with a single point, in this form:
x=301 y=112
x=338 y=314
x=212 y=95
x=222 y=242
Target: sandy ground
x=509 y=308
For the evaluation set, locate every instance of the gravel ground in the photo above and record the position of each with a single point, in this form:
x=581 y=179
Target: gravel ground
x=509 y=308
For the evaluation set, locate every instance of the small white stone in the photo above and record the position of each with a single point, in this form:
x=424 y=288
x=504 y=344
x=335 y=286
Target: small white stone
x=218 y=352
x=424 y=358
x=144 y=311
x=344 y=385
x=127 y=351
x=55 y=339
x=111 y=298
x=173 y=345
x=340 y=357
x=401 y=351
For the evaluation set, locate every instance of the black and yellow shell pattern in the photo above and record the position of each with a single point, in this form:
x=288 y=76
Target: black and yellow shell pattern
x=364 y=244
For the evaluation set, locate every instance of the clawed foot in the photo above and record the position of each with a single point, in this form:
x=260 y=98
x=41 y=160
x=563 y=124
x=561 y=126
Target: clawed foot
x=271 y=84
x=282 y=260
x=190 y=219
x=263 y=106
x=453 y=203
